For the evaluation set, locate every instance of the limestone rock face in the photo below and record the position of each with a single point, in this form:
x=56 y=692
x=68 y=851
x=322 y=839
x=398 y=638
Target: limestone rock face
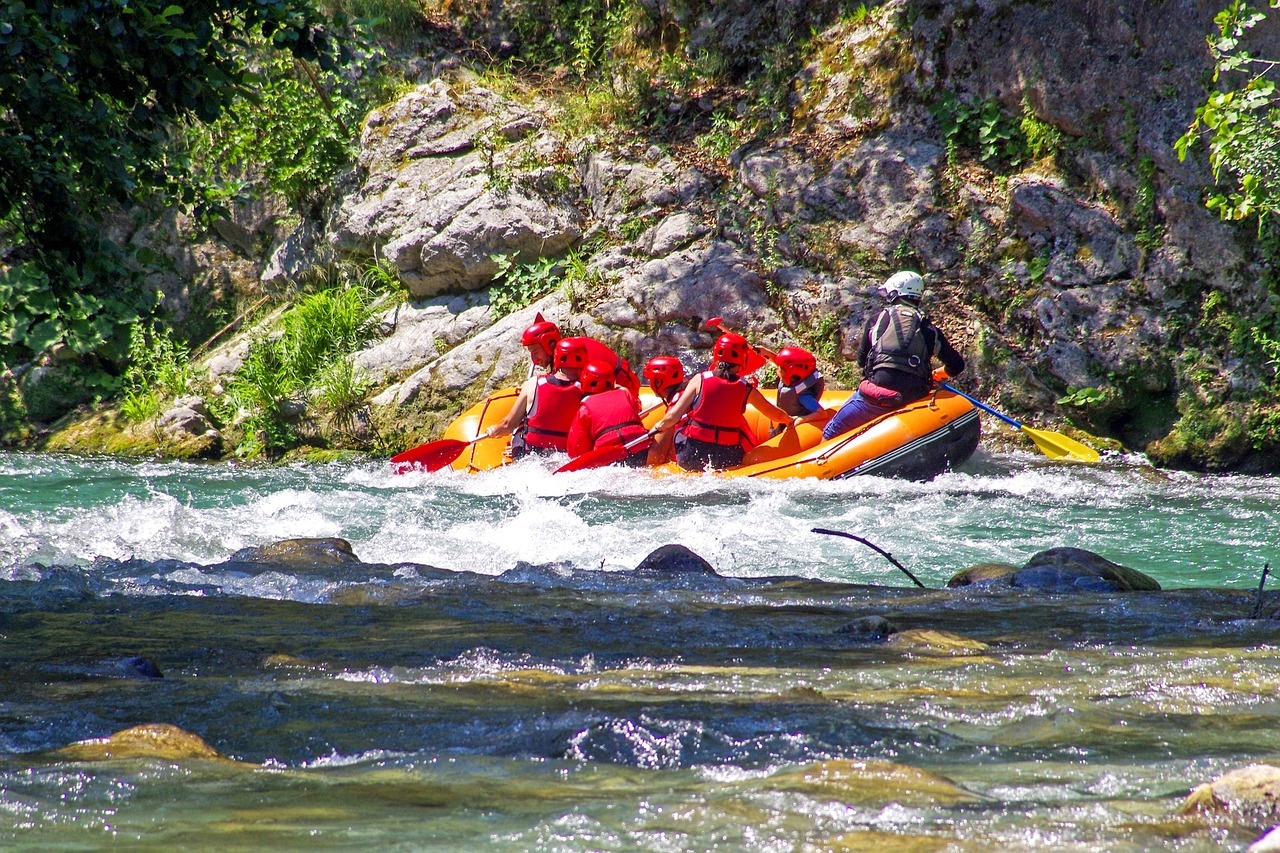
x=451 y=178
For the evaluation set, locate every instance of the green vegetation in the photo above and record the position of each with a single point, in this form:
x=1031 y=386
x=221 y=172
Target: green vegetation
x=159 y=370
x=300 y=359
x=1241 y=122
x=980 y=127
x=516 y=285
x=297 y=131
x=91 y=92
x=1043 y=140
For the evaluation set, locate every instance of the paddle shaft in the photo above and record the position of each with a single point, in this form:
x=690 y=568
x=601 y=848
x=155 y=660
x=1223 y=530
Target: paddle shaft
x=981 y=405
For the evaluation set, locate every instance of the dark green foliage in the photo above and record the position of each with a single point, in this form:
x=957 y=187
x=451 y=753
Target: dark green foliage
x=297 y=130
x=981 y=127
x=281 y=370
x=90 y=91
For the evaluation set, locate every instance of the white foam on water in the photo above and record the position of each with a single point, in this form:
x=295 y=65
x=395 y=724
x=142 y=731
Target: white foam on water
x=1183 y=529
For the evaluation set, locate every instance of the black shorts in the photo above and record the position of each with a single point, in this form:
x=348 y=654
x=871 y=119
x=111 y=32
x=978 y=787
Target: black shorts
x=695 y=455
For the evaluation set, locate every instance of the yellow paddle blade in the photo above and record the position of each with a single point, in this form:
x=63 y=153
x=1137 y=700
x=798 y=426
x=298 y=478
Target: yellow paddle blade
x=1055 y=445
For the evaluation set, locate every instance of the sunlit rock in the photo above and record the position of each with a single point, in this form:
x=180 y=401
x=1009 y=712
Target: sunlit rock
x=675 y=560
x=872 y=783
x=324 y=551
x=1250 y=794
x=1059 y=570
x=926 y=641
x=152 y=740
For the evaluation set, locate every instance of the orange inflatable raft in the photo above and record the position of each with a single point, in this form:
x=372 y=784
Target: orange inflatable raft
x=917 y=442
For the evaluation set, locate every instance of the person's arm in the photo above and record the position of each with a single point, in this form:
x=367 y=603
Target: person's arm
x=519 y=410
x=677 y=410
x=769 y=410
x=952 y=360
x=579 y=439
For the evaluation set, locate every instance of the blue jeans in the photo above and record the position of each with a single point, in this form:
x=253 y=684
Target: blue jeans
x=856 y=411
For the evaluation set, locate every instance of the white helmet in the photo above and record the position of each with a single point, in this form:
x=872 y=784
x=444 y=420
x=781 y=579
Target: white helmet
x=905 y=284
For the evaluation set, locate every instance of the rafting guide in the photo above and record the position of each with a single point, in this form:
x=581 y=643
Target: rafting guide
x=895 y=352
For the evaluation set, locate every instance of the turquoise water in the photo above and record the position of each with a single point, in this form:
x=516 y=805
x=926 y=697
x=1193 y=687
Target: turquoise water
x=491 y=673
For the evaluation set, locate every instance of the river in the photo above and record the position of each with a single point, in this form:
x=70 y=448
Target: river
x=492 y=674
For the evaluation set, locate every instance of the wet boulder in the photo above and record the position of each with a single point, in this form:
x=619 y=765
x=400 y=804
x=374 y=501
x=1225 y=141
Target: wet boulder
x=1059 y=570
x=1249 y=794
x=870 y=629
x=151 y=740
x=324 y=551
x=136 y=666
x=674 y=560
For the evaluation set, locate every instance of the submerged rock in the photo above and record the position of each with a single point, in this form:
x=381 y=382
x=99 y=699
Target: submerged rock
x=151 y=740
x=138 y=667
x=675 y=560
x=872 y=782
x=1250 y=794
x=1059 y=570
x=326 y=551
x=869 y=628
x=926 y=641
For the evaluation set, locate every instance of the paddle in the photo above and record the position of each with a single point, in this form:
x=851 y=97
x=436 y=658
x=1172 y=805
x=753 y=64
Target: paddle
x=601 y=456
x=431 y=456
x=755 y=360
x=1055 y=445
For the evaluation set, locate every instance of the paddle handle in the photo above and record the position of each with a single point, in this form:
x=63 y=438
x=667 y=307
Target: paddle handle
x=983 y=406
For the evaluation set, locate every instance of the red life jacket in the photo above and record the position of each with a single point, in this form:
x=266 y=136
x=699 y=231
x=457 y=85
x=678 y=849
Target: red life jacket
x=614 y=416
x=716 y=417
x=555 y=402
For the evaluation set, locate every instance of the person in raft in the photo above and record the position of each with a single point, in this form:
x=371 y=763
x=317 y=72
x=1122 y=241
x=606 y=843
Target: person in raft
x=666 y=380
x=800 y=384
x=539 y=419
x=896 y=352
x=715 y=435
x=540 y=340
x=609 y=414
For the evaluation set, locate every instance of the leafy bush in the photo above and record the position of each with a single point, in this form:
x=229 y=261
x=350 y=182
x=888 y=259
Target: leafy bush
x=299 y=130
x=517 y=285
x=90 y=97
x=314 y=338
x=1240 y=122
x=159 y=370
x=981 y=127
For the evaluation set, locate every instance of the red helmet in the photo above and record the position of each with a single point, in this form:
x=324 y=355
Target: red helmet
x=730 y=348
x=794 y=364
x=663 y=372
x=597 y=376
x=571 y=353
x=543 y=333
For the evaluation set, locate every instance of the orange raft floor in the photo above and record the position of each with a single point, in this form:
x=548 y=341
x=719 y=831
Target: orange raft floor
x=917 y=442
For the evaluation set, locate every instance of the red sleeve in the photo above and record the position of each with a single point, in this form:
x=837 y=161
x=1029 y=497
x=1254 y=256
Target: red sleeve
x=579 y=440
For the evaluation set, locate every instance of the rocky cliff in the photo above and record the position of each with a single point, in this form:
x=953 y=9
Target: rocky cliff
x=1019 y=154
